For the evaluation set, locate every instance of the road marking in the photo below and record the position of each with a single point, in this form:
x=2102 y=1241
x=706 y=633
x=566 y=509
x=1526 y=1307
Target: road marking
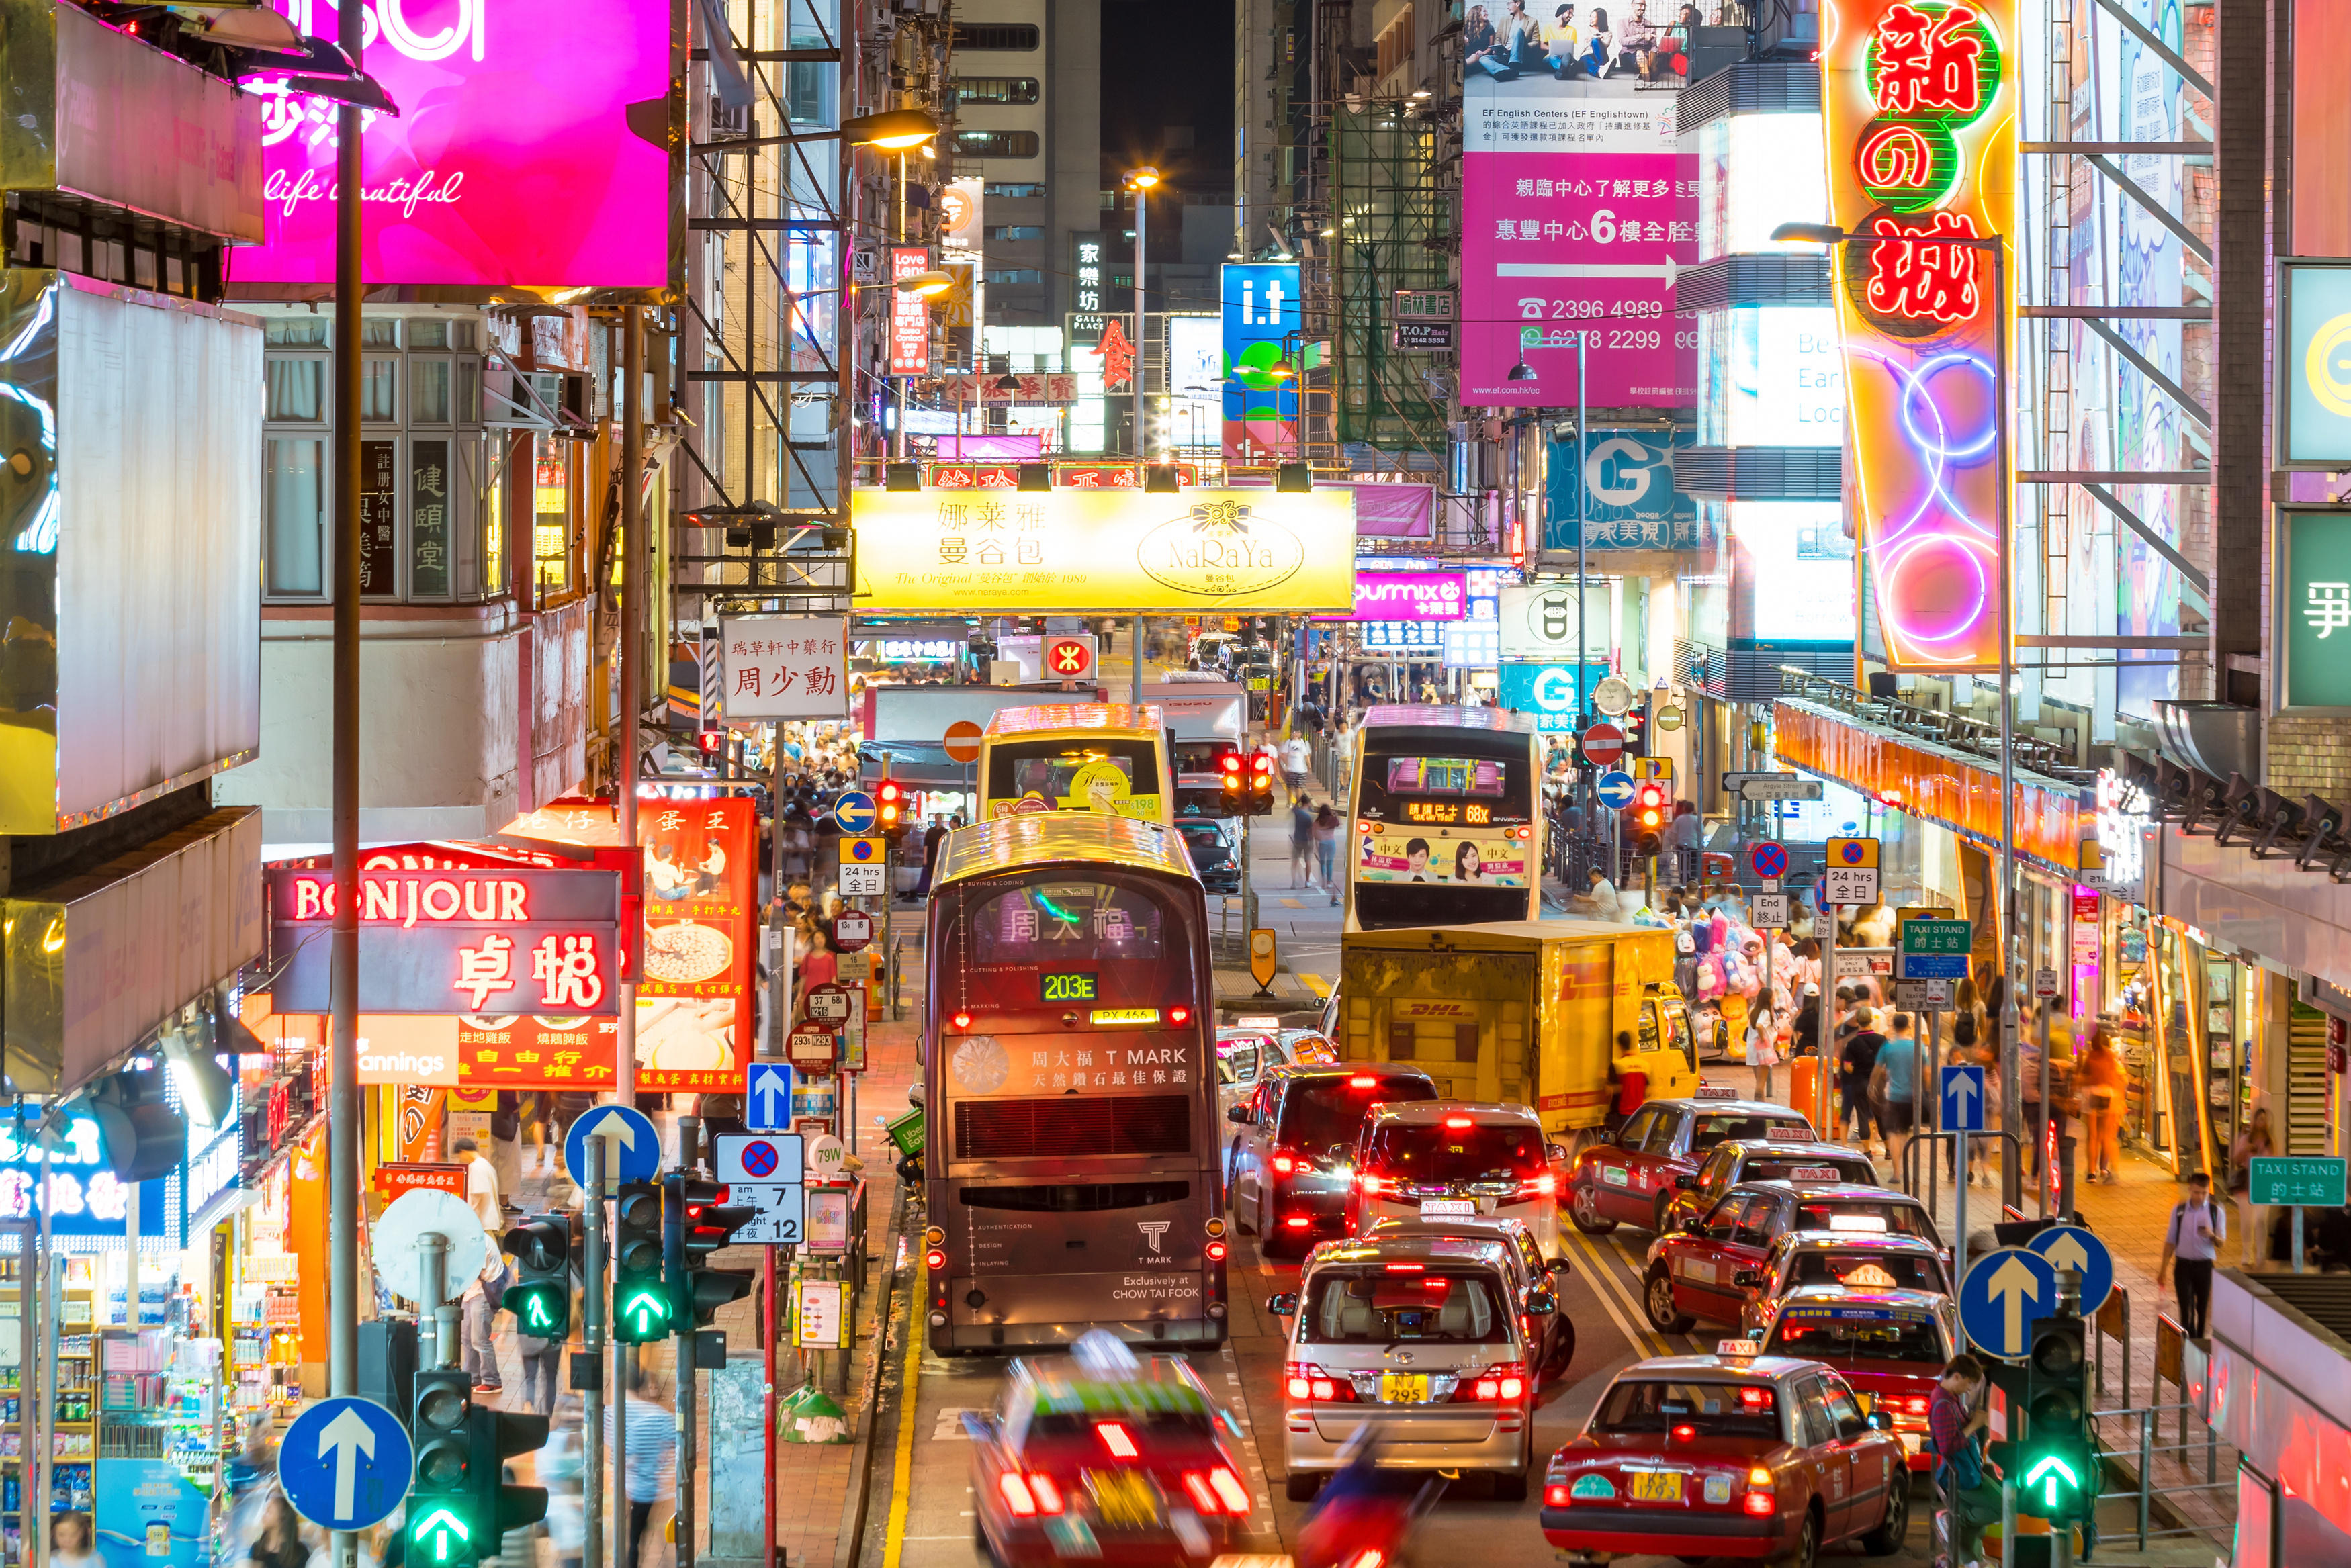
x=1317 y=984
x=1615 y=1297
x=902 y=1472
x=1293 y=903
x=948 y=1428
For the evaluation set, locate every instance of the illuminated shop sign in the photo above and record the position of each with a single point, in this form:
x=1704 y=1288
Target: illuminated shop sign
x=1921 y=136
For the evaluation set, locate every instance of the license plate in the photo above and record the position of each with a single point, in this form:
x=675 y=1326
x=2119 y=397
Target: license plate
x=1072 y=1537
x=1655 y=1486
x=1404 y=1388
x=1448 y=1209
x=1123 y=1498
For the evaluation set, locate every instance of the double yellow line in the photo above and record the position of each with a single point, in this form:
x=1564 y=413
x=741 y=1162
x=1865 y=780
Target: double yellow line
x=1602 y=1263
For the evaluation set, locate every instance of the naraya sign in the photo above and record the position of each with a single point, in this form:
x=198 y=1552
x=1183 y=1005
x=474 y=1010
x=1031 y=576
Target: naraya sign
x=1080 y=552
x=455 y=941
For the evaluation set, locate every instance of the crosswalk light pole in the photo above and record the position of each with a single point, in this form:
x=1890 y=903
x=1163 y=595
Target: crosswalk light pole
x=597 y=1273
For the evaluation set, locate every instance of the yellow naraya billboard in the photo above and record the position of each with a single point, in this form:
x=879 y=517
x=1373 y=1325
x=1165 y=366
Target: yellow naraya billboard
x=1095 y=552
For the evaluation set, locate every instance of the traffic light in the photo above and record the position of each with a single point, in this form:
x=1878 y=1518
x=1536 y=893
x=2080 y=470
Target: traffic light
x=1636 y=725
x=542 y=1300
x=497 y=1435
x=697 y=1221
x=641 y=1307
x=2055 y=1480
x=1260 y=785
x=890 y=807
x=1230 y=770
x=443 y=1529
x=1651 y=800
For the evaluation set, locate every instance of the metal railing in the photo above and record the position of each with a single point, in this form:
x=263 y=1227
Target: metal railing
x=1955 y=732
x=2143 y=1495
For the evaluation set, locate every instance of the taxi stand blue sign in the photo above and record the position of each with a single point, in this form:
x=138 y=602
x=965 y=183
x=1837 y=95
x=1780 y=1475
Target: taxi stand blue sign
x=2000 y=1295
x=2072 y=1247
x=345 y=1464
x=633 y=1141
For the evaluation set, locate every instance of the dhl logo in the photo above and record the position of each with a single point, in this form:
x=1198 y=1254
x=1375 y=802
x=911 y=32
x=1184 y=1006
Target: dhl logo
x=1427 y=1009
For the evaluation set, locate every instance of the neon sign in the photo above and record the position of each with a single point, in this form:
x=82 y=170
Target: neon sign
x=1921 y=126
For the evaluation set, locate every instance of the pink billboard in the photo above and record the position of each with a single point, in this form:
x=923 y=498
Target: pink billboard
x=511 y=159
x=1407 y=596
x=1578 y=204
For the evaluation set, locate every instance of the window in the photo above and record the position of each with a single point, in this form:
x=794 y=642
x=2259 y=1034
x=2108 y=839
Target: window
x=995 y=144
x=1709 y=1410
x=1449 y=1307
x=550 y=551
x=379 y=392
x=428 y=391
x=310 y=329
x=296 y=499
x=1015 y=274
x=1012 y=191
x=1663 y=1132
x=1724 y=1221
x=995 y=90
x=296 y=389
x=1017 y=232
x=1011 y=37
x=1635 y=1130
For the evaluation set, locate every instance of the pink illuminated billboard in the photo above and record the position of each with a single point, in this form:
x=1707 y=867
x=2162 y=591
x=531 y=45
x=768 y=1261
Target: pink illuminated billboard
x=511 y=159
x=1577 y=205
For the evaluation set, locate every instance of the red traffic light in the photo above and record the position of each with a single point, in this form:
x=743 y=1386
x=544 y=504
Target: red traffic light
x=1230 y=762
x=712 y=739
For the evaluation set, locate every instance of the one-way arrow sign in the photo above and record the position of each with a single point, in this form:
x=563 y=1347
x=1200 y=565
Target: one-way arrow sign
x=2001 y=1293
x=345 y=1464
x=1963 y=1098
x=767 y=1101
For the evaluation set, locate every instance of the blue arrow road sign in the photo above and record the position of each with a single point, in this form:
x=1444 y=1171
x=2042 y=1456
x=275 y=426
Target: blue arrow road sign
x=345 y=1464
x=768 y=1103
x=632 y=1148
x=1964 y=1099
x=2071 y=1247
x=1613 y=789
x=853 y=810
x=2000 y=1295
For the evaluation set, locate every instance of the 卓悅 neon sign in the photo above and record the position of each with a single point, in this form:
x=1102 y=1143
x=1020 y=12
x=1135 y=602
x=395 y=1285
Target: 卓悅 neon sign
x=1921 y=130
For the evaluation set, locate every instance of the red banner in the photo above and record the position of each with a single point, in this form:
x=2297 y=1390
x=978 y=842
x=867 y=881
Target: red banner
x=527 y=1053
x=702 y=889
x=392 y=1180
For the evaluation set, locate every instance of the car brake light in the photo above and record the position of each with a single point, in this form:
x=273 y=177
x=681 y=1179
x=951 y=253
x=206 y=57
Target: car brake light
x=1229 y=1491
x=1049 y=1496
x=1116 y=1439
x=1283 y=1164
x=1179 y=1015
x=1916 y=1407
x=1505 y=1381
x=1762 y=1500
x=961 y=1020
x=1202 y=1498
x=1544 y=1186
x=1304 y=1380
x=1404 y=1268
x=1017 y=1495
x=1299 y=1221
x=1216 y=1250
x=1370 y=1186
x=1460 y=1124
x=1683 y=1434
x=1363 y=1081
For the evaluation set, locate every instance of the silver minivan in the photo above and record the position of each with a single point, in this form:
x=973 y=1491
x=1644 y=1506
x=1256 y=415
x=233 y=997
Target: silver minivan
x=1286 y=1161
x=1414 y=1336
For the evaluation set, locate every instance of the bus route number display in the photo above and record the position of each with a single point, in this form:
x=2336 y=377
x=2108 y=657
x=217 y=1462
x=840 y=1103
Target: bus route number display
x=1070 y=986
x=1446 y=812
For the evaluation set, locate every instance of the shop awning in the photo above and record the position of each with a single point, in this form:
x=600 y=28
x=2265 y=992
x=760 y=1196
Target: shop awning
x=924 y=764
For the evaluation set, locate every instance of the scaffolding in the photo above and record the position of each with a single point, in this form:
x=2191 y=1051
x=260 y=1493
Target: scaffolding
x=1394 y=213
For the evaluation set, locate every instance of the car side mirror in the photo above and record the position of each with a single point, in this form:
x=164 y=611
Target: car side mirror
x=1559 y=1266
x=1748 y=1278
x=1282 y=1304
x=1685 y=1184
x=1557 y=1153
x=1694 y=1227
x=1541 y=1303
x=1878 y=1421
x=1239 y=1114
x=1338 y=1154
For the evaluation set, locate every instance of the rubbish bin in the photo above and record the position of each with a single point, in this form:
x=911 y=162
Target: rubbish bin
x=1804 y=1086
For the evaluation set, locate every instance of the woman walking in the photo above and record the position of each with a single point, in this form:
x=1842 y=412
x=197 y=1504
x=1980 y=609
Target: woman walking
x=2101 y=1078
x=2256 y=1140
x=1326 y=848
x=1763 y=1026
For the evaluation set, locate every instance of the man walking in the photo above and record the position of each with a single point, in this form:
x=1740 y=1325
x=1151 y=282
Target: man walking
x=1892 y=1084
x=1296 y=761
x=652 y=1456
x=2190 y=1243
x=485 y=1290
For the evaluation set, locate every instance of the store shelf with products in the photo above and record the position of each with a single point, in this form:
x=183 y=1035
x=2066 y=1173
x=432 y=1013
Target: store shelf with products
x=264 y=1372
x=161 y=1398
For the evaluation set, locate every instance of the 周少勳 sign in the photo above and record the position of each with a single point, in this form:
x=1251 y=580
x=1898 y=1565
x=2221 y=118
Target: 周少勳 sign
x=464 y=941
x=1095 y=552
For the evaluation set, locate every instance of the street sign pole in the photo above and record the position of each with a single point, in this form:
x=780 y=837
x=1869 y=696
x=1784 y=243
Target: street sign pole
x=592 y=1360
x=1824 y=1037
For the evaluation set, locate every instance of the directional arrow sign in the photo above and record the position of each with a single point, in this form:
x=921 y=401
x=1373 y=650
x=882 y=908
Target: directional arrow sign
x=2050 y=1475
x=1963 y=1098
x=768 y=1104
x=345 y=1464
x=2072 y=1247
x=1615 y=789
x=852 y=810
x=437 y=1531
x=2002 y=1293
x=632 y=1146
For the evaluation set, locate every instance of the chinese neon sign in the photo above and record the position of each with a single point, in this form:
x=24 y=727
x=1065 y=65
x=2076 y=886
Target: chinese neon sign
x=1921 y=107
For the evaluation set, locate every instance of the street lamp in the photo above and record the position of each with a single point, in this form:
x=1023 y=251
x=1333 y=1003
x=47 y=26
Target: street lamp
x=1830 y=234
x=893 y=129
x=1142 y=181
x=929 y=285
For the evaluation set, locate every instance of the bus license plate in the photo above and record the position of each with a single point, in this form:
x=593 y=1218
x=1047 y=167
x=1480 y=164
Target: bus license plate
x=1404 y=1388
x=1448 y=1209
x=1656 y=1486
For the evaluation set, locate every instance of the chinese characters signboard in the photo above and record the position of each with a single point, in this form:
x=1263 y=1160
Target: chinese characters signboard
x=1629 y=502
x=1921 y=128
x=428 y=518
x=379 y=521
x=454 y=941
x=512 y=160
x=702 y=886
x=2312 y=552
x=910 y=314
x=1263 y=326
x=784 y=667
x=1098 y=552
x=1577 y=205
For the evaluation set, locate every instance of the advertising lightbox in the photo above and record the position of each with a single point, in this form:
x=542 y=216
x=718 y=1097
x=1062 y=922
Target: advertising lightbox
x=1792 y=572
x=1263 y=323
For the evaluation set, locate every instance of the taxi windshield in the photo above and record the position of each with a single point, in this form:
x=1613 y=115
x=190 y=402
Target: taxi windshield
x=1405 y=1304
x=1853 y=1338
x=1433 y=1151
x=1711 y=1409
x=1863 y=1270
x=1714 y=1127
x=1861 y=1217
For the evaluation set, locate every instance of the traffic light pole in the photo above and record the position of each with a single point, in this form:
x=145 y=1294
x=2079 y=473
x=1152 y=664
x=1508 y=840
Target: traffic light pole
x=591 y=1337
x=689 y=1375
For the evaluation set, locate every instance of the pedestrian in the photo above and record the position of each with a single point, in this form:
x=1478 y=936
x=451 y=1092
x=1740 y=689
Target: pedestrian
x=1600 y=897
x=71 y=1544
x=652 y=1455
x=2190 y=1241
x=1297 y=762
x=1326 y=848
x=542 y=1361
x=278 y=1544
x=560 y=1470
x=537 y=1123
x=1631 y=1081
x=2256 y=1141
x=2100 y=1076
x=933 y=837
x=1893 y=1088
x=1955 y=1426
x=1763 y=1026
x=1301 y=842
x=1856 y=1060
x=1687 y=827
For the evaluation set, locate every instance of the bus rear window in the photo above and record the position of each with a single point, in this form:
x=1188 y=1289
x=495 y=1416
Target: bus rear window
x=1709 y=1410
x=1445 y=775
x=1406 y=1151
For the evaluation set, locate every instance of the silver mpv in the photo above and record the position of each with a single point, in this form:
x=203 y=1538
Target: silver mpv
x=1415 y=1337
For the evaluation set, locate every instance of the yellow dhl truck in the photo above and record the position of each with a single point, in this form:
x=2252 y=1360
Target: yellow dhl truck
x=1523 y=1011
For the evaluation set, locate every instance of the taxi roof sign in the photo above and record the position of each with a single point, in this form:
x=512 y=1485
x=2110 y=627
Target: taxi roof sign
x=1868 y=1222
x=1744 y=1349
x=1715 y=1092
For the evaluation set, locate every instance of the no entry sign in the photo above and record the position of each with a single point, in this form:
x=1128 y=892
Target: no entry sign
x=1603 y=744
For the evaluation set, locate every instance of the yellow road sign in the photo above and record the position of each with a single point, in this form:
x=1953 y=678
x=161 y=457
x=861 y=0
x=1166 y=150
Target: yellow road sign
x=1852 y=852
x=1653 y=768
x=1262 y=960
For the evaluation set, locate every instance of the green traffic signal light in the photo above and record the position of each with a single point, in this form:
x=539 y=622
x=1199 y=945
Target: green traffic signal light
x=2059 y=1484
x=541 y=1299
x=641 y=1311
x=441 y=1521
x=642 y=1306
x=440 y=1537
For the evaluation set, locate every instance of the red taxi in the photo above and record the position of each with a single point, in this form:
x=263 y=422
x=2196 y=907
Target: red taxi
x=1739 y=1160
x=1889 y=1347
x=1107 y=1457
x=1856 y=1261
x=1733 y=1454
x=1630 y=1178
x=1698 y=1271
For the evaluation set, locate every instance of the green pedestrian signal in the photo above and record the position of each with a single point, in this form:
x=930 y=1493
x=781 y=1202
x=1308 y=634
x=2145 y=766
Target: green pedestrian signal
x=541 y=1299
x=2053 y=1487
x=642 y=1307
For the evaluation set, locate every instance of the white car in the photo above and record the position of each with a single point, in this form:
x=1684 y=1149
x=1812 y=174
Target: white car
x=1440 y=1160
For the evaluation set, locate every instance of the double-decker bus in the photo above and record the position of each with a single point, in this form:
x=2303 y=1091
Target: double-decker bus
x=1447 y=814
x=1106 y=757
x=1070 y=1086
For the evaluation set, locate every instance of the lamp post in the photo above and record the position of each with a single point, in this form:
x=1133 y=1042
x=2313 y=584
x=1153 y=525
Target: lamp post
x=1142 y=181
x=2012 y=969
x=898 y=130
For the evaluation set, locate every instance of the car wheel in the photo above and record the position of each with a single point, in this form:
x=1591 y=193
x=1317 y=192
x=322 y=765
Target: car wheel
x=1806 y=1552
x=1664 y=1314
x=1563 y=1347
x=1302 y=1486
x=1887 y=1538
x=1583 y=1207
x=1659 y=1220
